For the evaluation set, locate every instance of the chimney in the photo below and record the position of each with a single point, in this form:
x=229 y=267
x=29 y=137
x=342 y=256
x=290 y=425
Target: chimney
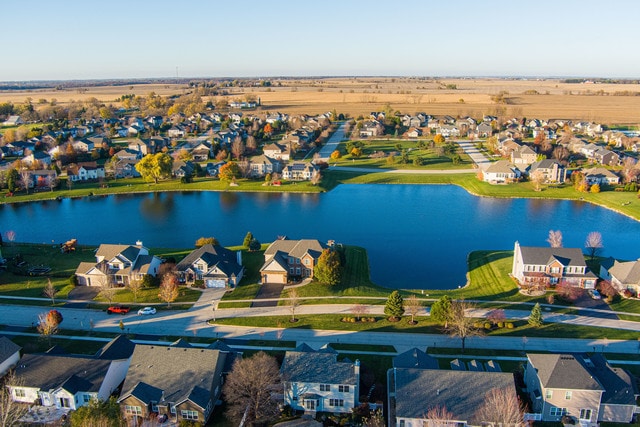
x=356 y=368
x=138 y=242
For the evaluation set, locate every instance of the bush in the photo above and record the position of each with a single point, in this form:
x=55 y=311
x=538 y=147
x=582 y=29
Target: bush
x=500 y=325
x=487 y=325
x=73 y=280
x=509 y=325
x=198 y=283
x=477 y=325
x=372 y=319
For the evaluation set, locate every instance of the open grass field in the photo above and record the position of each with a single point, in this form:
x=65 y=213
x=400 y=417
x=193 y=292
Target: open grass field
x=542 y=98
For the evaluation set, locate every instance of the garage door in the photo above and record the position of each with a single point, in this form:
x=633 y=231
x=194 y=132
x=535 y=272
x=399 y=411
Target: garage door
x=276 y=278
x=214 y=283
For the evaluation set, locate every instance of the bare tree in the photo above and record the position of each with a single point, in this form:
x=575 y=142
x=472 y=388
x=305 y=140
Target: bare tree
x=500 y=407
x=537 y=178
x=50 y=291
x=439 y=416
x=249 y=387
x=375 y=419
x=25 y=179
x=594 y=244
x=169 y=288
x=293 y=304
x=252 y=145
x=135 y=285
x=555 y=238
x=413 y=306
x=105 y=282
x=237 y=147
x=496 y=316
x=316 y=178
x=359 y=310
x=460 y=324
x=10 y=410
x=630 y=170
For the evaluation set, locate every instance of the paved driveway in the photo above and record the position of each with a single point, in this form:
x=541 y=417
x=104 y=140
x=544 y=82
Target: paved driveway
x=478 y=158
x=332 y=143
x=270 y=292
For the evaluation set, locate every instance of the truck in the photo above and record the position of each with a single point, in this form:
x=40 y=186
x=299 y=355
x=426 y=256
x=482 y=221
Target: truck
x=118 y=309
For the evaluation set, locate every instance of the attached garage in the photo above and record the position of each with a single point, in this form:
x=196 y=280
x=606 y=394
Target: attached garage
x=275 y=278
x=215 y=283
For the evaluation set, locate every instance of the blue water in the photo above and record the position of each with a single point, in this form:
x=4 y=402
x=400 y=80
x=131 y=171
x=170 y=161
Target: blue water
x=417 y=236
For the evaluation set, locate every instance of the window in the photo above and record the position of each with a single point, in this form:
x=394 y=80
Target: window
x=189 y=415
x=567 y=395
x=173 y=409
x=154 y=406
x=86 y=398
x=548 y=394
x=298 y=271
x=343 y=388
x=297 y=260
x=132 y=410
x=325 y=387
x=310 y=404
x=18 y=392
x=585 y=414
x=291 y=270
x=336 y=402
x=64 y=402
x=557 y=412
x=306 y=261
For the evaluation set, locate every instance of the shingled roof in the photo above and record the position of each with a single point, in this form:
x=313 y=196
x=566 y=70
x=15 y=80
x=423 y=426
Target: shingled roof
x=563 y=371
x=317 y=367
x=213 y=255
x=534 y=255
x=7 y=348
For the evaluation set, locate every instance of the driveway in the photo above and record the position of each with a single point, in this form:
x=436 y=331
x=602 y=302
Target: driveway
x=270 y=292
x=80 y=296
x=478 y=158
x=332 y=143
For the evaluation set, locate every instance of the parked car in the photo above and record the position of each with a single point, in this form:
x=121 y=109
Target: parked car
x=147 y=310
x=118 y=309
x=594 y=294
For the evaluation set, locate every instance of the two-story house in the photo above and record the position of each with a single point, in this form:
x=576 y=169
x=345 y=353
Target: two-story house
x=551 y=266
x=277 y=151
x=624 y=275
x=85 y=171
x=315 y=381
x=584 y=388
x=286 y=260
x=300 y=171
x=600 y=176
x=523 y=156
x=216 y=266
x=178 y=382
x=118 y=265
x=551 y=169
x=501 y=172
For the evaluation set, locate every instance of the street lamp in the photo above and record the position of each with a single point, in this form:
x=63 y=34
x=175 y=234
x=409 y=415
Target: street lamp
x=213 y=306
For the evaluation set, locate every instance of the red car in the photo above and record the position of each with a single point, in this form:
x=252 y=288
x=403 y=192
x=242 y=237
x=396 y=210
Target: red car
x=118 y=309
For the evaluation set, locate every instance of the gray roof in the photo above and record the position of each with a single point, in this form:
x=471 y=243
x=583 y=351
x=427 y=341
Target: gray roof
x=173 y=370
x=461 y=392
x=283 y=248
x=118 y=348
x=620 y=386
x=415 y=358
x=545 y=164
x=501 y=166
x=626 y=272
x=7 y=348
x=213 y=255
x=563 y=371
x=50 y=371
x=543 y=255
x=109 y=251
x=316 y=367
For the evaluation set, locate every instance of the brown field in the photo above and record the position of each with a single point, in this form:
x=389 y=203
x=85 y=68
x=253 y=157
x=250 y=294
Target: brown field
x=359 y=96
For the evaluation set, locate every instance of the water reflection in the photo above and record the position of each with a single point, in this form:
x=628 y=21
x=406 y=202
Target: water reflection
x=157 y=207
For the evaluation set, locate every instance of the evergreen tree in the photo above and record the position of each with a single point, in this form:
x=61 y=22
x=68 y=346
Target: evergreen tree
x=394 y=308
x=535 y=318
x=441 y=310
x=254 y=245
x=329 y=269
x=247 y=239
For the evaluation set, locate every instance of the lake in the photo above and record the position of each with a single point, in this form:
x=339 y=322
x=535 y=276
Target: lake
x=417 y=236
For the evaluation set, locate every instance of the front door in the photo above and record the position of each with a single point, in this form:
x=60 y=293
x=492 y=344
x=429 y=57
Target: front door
x=310 y=404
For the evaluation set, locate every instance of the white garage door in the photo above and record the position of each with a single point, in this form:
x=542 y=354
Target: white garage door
x=276 y=278
x=214 y=283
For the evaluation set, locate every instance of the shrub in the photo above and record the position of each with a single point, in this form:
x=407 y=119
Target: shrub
x=372 y=319
x=509 y=325
x=198 y=283
x=487 y=325
x=500 y=325
x=73 y=280
x=477 y=325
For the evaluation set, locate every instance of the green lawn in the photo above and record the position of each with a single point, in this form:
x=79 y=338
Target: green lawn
x=248 y=287
x=150 y=295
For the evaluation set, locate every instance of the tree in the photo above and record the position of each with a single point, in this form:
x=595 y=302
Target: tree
x=535 y=318
x=439 y=416
x=247 y=239
x=460 y=324
x=98 y=413
x=10 y=410
x=169 y=288
x=249 y=387
x=555 y=238
x=237 y=147
x=438 y=139
x=293 y=304
x=500 y=407
x=154 y=167
x=50 y=291
x=413 y=307
x=48 y=322
x=537 y=178
x=375 y=419
x=359 y=310
x=329 y=270
x=13 y=177
x=595 y=188
x=336 y=154
x=206 y=241
x=135 y=285
x=229 y=171
x=594 y=244
x=441 y=310
x=25 y=179
x=356 y=152
x=496 y=316
x=254 y=245
x=394 y=307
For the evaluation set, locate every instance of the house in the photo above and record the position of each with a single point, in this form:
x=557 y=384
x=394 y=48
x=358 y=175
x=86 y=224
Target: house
x=286 y=260
x=182 y=168
x=551 y=266
x=300 y=171
x=412 y=392
x=600 y=176
x=43 y=179
x=371 y=128
x=85 y=171
x=448 y=131
x=202 y=152
x=13 y=121
x=83 y=146
x=414 y=132
x=624 y=275
x=69 y=381
x=585 y=388
x=501 y=172
x=412 y=121
x=181 y=383
x=415 y=359
x=126 y=168
x=9 y=355
x=118 y=265
x=128 y=154
x=218 y=267
x=551 y=169
x=315 y=381
x=523 y=156
x=277 y=151
x=37 y=156
x=484 y=130
x=606 y=157
x=177 y=131
x=262 y=165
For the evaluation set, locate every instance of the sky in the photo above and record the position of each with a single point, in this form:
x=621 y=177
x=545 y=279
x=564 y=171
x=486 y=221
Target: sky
x=125 y=39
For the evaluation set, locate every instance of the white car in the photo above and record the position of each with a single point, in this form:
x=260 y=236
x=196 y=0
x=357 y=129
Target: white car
x=147 y=310
x=595 y=294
